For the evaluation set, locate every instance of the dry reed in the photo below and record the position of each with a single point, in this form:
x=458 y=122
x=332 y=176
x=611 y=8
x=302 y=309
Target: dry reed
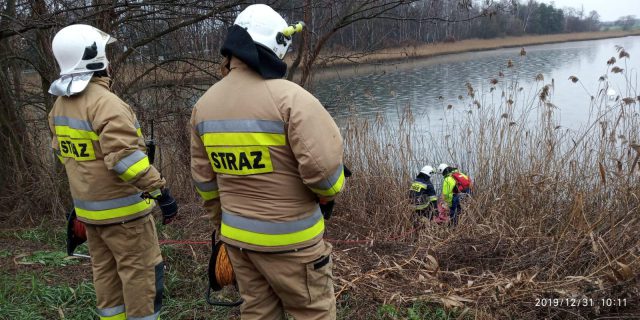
x=554 y=213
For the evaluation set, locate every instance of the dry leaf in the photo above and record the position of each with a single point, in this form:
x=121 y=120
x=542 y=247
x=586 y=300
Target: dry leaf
x=450 y=303
x=22 y=255
x=463 y=314
x=625 y=271
x=432 y=263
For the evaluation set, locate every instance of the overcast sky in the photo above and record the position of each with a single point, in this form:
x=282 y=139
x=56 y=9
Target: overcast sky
x=609 y=10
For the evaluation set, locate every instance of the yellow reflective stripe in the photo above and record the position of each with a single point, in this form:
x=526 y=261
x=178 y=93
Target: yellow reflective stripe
x=120 y=316
x=67 y=131
x=155 y=193
x=417 y=186
x=243 y=139
x=272 y=240
x=144 y=204
x=139 y=132
x=208 y=195
x=335 y=188
x=117 y=312
x=135 y=169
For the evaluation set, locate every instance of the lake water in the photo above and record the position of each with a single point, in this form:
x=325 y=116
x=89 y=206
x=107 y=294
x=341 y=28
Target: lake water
x=428 y=86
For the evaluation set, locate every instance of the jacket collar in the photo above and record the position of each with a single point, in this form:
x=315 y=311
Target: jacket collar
x=238 y=64
x=102 y=81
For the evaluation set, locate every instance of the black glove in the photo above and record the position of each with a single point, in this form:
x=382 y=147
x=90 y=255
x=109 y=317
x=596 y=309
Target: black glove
x=168 y=206
x=347 y=172
x=327 y=209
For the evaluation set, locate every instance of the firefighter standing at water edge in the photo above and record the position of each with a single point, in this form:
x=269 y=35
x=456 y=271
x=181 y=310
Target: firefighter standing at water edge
x=264 y=153
x=423 y=194
x=97 y=138
x=454 y=186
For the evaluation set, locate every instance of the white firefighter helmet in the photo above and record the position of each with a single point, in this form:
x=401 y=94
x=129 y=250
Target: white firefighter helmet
x=79 y=50
x=267 y=28
x=441 y=167
x=428 y=170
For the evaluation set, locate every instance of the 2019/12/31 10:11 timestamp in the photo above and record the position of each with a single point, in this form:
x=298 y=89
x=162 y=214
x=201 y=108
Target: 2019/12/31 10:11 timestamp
x=576 y=302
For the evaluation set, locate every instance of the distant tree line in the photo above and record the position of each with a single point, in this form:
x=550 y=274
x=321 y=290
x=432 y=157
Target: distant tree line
x=451 y=20
x=627 y=22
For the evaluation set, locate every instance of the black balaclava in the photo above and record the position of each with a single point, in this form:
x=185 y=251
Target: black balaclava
x=423 y=176
x=240 y=45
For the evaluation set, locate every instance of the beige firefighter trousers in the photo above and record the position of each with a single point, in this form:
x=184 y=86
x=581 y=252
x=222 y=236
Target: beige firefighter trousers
x=127 y=269
x=300 y=283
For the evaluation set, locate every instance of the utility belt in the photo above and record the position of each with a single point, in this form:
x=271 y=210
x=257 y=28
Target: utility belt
x=273 y=252
x=121 y=222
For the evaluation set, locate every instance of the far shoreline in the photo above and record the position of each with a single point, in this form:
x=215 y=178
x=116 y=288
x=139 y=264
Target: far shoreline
x=431 y=50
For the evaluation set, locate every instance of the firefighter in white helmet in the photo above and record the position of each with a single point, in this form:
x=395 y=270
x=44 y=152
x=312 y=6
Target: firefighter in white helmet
x=455 y=185
x=264 y=155
x=98 y=139
x=423 y=194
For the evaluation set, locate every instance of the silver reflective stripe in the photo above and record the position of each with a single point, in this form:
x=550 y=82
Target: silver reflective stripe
x=151 y=317
x=264 y=126
x=137 y=124
x=72 y=123
x=327 y=183
x=265 y=227
x=126 y=162
x=108 y=204
x=206 y=186
x=110 y=312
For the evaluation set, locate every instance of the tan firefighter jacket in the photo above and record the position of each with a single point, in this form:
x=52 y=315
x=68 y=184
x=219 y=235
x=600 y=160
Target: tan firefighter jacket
x=266 y=150
x=98 y=139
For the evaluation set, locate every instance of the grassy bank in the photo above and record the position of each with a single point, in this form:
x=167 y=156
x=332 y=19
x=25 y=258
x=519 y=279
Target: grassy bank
x=468 y=45
x=38 y=282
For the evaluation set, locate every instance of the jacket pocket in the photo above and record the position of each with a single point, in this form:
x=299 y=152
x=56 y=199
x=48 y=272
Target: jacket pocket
x=319 y=278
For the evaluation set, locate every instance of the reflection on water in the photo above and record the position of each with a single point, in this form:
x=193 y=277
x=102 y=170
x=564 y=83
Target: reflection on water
x=428 y=86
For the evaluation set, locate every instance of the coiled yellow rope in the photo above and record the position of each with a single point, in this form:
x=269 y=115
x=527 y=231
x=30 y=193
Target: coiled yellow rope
x=224 y=269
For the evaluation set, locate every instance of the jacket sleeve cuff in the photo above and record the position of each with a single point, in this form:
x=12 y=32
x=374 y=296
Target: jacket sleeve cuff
x=132 y=165
x=207 y=190
x=331 y=185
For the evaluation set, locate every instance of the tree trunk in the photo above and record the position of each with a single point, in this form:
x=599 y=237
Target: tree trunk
x=12 y=129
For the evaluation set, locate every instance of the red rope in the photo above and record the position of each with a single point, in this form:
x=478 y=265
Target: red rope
x=168 y=241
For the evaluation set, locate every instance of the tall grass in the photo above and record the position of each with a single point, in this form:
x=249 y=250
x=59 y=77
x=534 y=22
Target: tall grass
x=554 y=212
